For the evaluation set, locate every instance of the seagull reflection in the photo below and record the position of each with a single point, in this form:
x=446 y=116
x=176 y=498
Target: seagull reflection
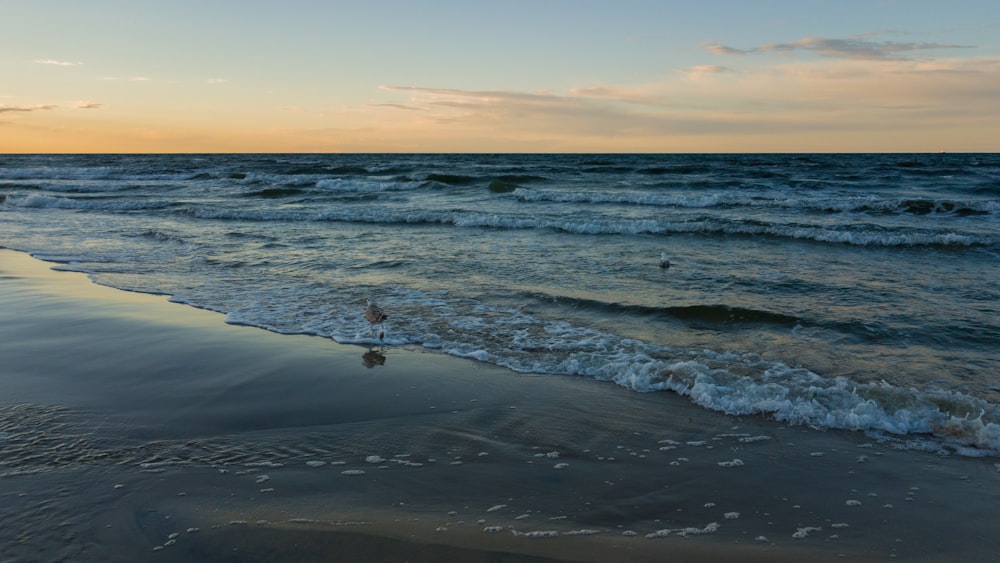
x=373 y=358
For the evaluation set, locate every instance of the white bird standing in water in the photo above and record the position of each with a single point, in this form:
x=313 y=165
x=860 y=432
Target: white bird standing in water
x=375 y=316
x=664 y=262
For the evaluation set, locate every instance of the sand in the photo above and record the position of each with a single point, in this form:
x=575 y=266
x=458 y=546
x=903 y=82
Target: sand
x=132 y=428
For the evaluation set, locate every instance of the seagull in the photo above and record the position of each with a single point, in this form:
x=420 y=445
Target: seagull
x=664 y=263
x=375 y=316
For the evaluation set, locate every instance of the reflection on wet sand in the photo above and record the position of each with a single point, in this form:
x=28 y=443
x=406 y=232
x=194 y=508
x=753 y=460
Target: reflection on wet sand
x=372 y=358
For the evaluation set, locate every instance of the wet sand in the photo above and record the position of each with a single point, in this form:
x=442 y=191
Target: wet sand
x=132 y=428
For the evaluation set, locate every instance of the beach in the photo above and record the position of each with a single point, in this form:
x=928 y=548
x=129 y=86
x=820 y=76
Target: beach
x=135 y=428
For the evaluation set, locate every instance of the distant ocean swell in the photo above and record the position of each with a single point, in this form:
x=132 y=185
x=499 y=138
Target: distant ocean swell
x=861 y=204
x=852 y=234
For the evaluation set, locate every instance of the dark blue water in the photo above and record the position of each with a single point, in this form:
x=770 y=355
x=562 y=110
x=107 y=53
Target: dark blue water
x=840 y=291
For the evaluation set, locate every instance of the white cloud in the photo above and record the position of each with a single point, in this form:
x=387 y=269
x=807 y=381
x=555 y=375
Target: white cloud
x=88 y=105
x=851 y=48
x=56 y=63
x=702 y=70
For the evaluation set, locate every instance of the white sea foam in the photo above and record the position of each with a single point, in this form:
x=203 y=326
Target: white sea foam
x=369 y=186
x=51 y=202
x=798 y=396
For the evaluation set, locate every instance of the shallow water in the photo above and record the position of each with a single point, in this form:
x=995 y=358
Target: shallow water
x=133 y=428
x=837 y=291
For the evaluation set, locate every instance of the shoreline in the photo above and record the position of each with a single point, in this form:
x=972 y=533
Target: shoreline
x=150 y=419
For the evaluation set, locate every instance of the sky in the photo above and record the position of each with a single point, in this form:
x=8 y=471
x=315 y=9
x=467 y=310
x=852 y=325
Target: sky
x=663 y=76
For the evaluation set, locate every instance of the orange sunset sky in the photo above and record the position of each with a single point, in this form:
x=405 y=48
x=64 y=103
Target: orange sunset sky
x=514 y=76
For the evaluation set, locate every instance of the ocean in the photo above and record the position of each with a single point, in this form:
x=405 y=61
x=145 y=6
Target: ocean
x=854 y=292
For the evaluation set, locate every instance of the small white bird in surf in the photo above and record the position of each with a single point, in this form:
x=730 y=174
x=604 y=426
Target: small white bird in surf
x=664 y=262
x=375 y=316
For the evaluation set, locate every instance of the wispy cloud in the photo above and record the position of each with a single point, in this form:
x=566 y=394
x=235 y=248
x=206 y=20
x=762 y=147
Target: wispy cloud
x=88 y=105
x=57 y=63
x=851 y=48
x=717 y=49
x=129 y=79
x=6 y=108
x=855 y=96
x=396 y=106
x=702 y=70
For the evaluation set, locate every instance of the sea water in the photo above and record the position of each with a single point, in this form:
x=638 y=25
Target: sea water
x=857 y=292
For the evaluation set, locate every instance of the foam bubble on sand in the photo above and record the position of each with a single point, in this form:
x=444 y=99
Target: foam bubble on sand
x=560 y=466
x=353 y=472
x=853 y=502
x=583 y=532
x=158 y=467
x=685 y=532
x=709 y=529
x=264 y=464
x=537 y=534
x=731 y=515
x=803 y=532
x=496 y=508
x=315 y=463
x=493 y=529
x=262 y=478
x=374 y=459
x=751 y=439
x=733 y=463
